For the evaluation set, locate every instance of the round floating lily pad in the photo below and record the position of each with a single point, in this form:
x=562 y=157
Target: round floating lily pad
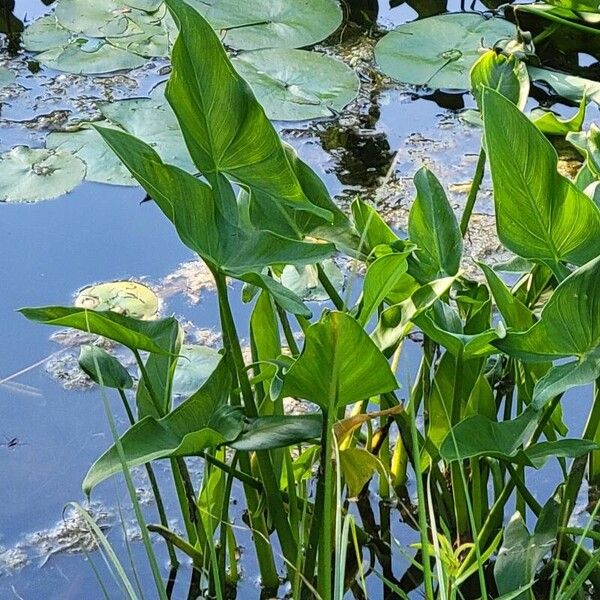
x=44 y=34
x=89 y=57
x=32 y=174
x=147 y=5
x=152 y=120
x=271 y=23
x=102 y=163
x=97 y=18
x=439 y=51
x=194 y=367
x=294 y=85
x=151 y=41
x=304 y=281
x=125 y=297
x=7 y=77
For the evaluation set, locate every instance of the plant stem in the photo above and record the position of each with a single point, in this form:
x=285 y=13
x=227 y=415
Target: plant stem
x=577 y=472
x=146 y=380
x=324 y=568
x=551 y=17
x=422 y=514
x=160 y=507
x=337 y=300
x=287 y=330
x=274 y=499
x=456 y=468
x=594 y=468
x=475 y=185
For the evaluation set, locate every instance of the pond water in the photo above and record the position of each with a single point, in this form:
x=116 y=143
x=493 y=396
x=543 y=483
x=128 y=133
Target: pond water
x=50 y=434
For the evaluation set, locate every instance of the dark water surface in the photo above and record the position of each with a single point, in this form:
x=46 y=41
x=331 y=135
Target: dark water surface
x=99 y=233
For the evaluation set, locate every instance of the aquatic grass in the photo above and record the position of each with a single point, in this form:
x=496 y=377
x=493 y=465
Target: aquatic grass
x=130 y=488
x=108 y=552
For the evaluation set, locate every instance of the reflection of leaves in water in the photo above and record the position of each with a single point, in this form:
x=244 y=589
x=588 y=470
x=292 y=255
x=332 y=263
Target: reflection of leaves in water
x=10 y=25
x=362 y=155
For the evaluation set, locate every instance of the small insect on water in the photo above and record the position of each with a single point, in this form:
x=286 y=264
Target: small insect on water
x=13 y=442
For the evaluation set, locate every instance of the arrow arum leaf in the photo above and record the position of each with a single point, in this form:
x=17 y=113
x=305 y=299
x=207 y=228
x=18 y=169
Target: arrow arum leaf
x=505 y=74
x=278 y=431
x=225 y=128
x=540 y=214
x=133 y=333
x=204 y=420
x=339 y=365
x=433 y=227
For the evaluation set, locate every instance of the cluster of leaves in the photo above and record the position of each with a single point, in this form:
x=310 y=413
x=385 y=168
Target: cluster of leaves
x=111 y=35
x=291 y=84
x=487 y=388
x=116 y=35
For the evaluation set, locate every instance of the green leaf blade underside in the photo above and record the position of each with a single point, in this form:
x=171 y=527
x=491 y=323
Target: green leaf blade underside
x=479 y=436
x=190 y=205
x=339 y=365
x=382 y=275
x=569 y=323
x=395 y=322
x=521 y=552
x=203 y=420
x=569 y=326
x=515 y=314
x=103 y=368
x=540 y=214
x=225 y=128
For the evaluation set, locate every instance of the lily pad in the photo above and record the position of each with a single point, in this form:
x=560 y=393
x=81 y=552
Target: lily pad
x=32 y=174
x=439 y=51
x=89 y=57
x=271 y=23
x=295 y=85
x=153 y=121
x=152 y=40
x=103 y=166
x=127 y=298
x=150 y=119
x=44 y=34
x=147 y=5
x=100 y=18
x=194 y=367
x=7 y=77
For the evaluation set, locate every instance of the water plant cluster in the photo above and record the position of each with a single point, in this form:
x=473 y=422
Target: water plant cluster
x=450 y=450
